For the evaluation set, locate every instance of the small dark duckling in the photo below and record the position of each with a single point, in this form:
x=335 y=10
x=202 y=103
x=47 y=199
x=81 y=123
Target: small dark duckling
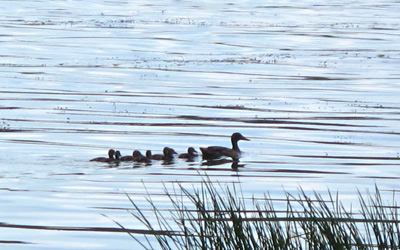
x=157 y=157
x=149 y=155
x=127 y=157
x=110 y=158
x=217 y=152
x=137 y=156
x=171 y=151
x=117 y=156
x=189 y=155
x=168 y=153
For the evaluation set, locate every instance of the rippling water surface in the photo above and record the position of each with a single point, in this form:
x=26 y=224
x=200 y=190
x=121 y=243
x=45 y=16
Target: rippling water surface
x=315 y=86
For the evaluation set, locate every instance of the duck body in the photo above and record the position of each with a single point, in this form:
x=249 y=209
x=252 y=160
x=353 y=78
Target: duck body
x=168 y=154
x=157 y=157
x=110 y=158
x=127 y=157
x=218 y=152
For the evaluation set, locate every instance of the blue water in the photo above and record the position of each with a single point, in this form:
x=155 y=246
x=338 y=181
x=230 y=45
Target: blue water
x=315 y=86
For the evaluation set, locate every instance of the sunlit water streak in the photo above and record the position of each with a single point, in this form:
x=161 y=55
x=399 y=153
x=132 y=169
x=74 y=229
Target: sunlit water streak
x=313 y=85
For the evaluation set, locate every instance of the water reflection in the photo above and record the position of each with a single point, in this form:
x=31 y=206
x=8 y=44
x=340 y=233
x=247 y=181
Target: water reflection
x=234 y=164
x=296 y=78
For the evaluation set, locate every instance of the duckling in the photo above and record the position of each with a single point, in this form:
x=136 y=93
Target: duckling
x=167 y=154
x=127 y=157
x=117 y=156
x=110 y=158
x=191 y=153
x=157 y=157
x=217 y=152
x=149 y=155
x=137 y=156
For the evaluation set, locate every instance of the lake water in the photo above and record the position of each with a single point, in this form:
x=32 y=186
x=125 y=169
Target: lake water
x=314 y=85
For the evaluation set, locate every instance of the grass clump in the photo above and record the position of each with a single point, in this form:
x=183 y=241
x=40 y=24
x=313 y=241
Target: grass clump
x=216 y=217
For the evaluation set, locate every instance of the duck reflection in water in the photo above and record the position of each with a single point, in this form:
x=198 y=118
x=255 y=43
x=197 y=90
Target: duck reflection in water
x=234 y=164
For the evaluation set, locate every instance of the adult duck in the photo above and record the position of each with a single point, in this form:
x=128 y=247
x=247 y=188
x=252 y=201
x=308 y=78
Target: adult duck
x=191 y=153
x=110 y=158
x=217 y=152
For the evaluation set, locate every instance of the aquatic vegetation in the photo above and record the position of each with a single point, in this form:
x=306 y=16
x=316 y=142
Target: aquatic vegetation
x=217 y=217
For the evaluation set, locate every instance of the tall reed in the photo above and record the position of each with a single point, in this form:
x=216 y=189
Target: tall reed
x=217 y=217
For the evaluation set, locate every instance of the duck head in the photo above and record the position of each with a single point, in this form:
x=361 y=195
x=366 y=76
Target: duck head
x=111 y=153
x=148 y=154
x=192 y=151
x=238 y=136
x=235 y=138
x=117 y=154
x=172 y=151
x=169 y=151
x=166 y=150
x=136 y=153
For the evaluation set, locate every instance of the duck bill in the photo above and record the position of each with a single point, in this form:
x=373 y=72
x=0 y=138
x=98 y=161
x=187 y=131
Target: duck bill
x=244 y=138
